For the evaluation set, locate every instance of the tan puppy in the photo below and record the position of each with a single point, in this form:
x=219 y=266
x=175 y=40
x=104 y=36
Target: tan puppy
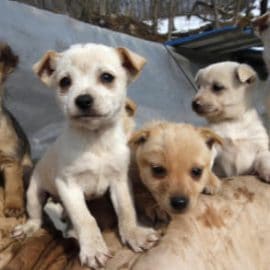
x=91 y=156
x=224 y=99
x=15 y=160
x=173 y=161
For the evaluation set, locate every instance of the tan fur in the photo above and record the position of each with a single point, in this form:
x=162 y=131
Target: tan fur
x=129 y=115
x=12 y=152
x=224 y=99
x=179 y=148
x=132 y=61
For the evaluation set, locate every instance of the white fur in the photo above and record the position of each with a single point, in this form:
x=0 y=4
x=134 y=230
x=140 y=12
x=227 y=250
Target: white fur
x=91 y=156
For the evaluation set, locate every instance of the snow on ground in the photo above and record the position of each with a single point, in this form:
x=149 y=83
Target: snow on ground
x=257 y=48
x=182 y=24
x=256 y=10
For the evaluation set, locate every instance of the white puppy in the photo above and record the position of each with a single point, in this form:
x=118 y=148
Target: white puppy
x=224 y=99
x=91 y=156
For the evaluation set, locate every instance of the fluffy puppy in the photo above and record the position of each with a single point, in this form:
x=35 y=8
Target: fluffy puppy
x=91 y=156
x=15 y=159
x=173 y=162
x=224 y=99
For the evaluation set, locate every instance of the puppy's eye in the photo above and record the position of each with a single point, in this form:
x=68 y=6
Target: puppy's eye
x=65 y=82
x=217 y=87
x=106 y=77
x=158 y=171
x=196 y=172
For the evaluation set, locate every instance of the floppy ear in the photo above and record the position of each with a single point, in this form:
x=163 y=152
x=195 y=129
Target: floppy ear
x=8 y=60
x=210 y=137
x=45 y=67
x=138 y=138
x=246 y=74
x=132 y=62
x=130 y=107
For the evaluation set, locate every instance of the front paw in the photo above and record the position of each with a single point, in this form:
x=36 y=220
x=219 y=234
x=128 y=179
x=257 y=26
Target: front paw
x=13 y=212
x=27 y=229
x=155 y=215
x=14 y=208
x=212 y=188
x=139 y=238
x=94 y=253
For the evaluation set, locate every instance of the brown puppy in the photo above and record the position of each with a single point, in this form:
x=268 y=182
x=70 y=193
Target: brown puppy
x=173 y=161
x=14 y=148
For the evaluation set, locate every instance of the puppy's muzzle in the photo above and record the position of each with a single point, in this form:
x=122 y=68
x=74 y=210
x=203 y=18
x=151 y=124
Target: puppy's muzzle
x=179 y=203
x=84 y=102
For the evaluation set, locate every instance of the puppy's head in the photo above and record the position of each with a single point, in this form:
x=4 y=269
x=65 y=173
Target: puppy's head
x=261 y=26
x=174 y=162
x=8 y=61
x=90 y=81
x=223 y=90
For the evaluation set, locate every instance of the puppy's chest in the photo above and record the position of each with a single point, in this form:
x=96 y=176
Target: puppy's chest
x=236 y=133
x=93 y=170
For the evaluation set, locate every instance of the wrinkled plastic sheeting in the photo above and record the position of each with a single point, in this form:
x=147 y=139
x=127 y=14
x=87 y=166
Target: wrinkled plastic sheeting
x=161 y=92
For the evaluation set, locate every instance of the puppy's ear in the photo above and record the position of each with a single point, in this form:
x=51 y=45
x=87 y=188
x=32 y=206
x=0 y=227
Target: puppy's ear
x=8 y=60
x=130 y=107
x=210 y=137
x=45 y=67
x=138 y=138
x=246 y=74
x=132 y=62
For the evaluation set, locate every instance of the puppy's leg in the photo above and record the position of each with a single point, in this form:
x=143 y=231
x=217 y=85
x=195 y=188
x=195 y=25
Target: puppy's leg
x=14 y=197
x=213 y=185
x=262 y=165
x=138 y=238
x=35 y=200
x=93 y=250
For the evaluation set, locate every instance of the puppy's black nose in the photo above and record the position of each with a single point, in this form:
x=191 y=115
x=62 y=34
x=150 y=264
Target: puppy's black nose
x=84 y=102
x=179 y=203
x=196 y=105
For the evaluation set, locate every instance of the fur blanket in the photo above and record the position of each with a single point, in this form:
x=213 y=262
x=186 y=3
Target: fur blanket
x=228 y=231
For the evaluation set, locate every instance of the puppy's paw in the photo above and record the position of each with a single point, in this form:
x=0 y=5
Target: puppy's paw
x=94 y=253
x=140 y=238
x=27 y=229
x=13 y=207
x=155 y=214
x=212 y=188
x=13 y=211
